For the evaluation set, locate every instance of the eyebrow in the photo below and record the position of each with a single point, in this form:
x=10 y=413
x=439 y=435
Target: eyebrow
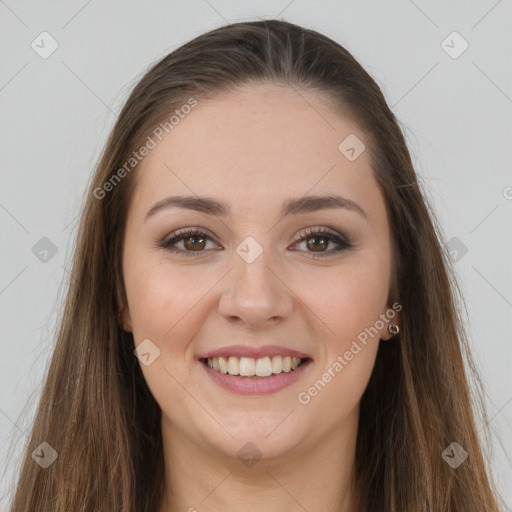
x=212 y=206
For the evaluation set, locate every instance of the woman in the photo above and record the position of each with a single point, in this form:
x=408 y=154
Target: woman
x=261 y=314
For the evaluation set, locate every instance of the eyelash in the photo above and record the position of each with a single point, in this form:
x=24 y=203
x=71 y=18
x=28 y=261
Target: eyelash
x=185 y=233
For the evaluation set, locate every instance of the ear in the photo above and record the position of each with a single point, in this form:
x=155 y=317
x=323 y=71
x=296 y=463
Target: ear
x=125 y=319
x=391 y=315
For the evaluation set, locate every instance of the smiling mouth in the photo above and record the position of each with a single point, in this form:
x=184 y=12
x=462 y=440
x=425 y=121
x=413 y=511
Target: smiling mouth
x=249 y=367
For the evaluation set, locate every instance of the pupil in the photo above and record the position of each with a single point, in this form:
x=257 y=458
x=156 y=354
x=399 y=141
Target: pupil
x=194 y=239
x=313 y=242
x=316 y=245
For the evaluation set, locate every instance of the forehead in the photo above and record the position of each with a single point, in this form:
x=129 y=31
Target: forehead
x=257 y=142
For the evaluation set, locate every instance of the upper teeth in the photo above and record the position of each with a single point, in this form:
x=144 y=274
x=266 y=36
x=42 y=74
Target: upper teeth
x=247 y=366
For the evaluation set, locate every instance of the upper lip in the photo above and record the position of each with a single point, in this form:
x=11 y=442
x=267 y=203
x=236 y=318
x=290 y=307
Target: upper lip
x=254 y=352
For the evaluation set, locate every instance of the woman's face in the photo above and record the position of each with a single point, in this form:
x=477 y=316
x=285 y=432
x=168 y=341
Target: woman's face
x=276 y=270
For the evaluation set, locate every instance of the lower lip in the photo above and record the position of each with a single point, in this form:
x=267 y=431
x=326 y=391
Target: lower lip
x=260 y=386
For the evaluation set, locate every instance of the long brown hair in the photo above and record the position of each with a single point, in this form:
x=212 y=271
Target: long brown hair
x=96 y=410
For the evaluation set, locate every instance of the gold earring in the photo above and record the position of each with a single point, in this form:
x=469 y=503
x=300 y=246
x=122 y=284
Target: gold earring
x=393 y=329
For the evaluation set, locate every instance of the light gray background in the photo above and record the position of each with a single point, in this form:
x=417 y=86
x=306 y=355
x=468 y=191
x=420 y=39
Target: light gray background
x=56 y=114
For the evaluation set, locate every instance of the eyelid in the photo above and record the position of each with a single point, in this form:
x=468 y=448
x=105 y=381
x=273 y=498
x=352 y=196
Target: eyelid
x=343 y=241
x=324 y=230
x=183 y=233
x=191 y=231
x=333 y=235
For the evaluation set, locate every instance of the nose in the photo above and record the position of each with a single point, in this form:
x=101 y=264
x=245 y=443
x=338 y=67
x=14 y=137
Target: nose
x=254 y=294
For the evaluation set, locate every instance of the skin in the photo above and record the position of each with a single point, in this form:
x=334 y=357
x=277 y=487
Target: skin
x=253 y=149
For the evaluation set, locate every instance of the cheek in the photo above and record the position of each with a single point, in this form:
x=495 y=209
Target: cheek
x=161 y=298
x=349 y=299
x=350 y=303
x=333 y=392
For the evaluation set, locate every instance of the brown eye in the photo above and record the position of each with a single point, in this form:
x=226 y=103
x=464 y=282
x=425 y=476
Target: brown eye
x=194 y=243
x=317 y=243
